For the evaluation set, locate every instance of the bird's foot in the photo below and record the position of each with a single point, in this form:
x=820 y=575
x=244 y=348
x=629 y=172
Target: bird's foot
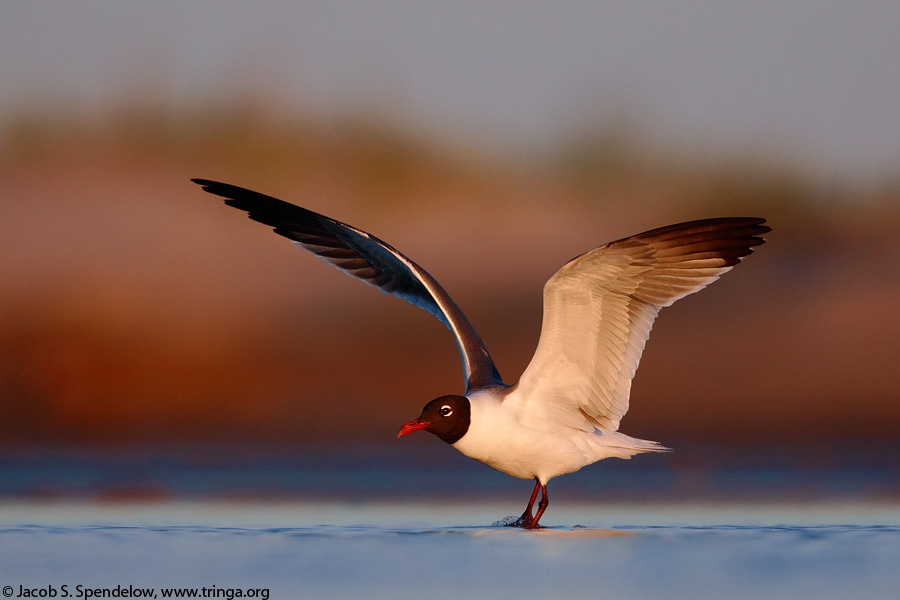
x=527 y=522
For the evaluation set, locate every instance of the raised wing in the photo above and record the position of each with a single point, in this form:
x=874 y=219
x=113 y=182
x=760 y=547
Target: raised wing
x=598 y=311
x=372 y=261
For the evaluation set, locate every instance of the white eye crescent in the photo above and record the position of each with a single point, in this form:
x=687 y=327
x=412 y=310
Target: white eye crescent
x=446 y=411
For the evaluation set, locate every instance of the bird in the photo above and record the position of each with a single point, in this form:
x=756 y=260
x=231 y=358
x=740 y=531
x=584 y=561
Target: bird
x=564 y=411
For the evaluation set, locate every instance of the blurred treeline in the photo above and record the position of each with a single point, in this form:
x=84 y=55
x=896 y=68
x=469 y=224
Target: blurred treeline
x=134 y=308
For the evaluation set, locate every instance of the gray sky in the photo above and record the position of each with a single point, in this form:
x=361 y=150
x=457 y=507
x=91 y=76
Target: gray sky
x=817 y=81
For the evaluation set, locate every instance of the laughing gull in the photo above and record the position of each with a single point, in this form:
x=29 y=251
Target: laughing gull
x=564 y=411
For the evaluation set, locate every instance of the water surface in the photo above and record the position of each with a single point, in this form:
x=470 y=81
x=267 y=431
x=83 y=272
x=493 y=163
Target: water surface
x=419 y=549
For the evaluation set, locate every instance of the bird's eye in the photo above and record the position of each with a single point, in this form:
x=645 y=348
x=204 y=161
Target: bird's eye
x=446 y=411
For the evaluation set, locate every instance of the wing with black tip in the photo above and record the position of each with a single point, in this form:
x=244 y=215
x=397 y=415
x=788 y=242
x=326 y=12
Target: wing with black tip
x=372 y=261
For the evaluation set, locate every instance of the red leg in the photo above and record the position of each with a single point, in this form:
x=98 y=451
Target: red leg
x=526 y=519
x=542 y=506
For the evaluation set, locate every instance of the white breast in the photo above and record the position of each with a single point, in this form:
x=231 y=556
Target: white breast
x=497 y=437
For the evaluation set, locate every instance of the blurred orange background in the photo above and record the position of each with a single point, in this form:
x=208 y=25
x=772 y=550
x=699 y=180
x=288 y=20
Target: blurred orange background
x=134 y=308
x=137 y=308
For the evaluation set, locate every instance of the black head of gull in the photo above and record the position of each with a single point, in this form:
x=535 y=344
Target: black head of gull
x=446 y=417
x=564 y=411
